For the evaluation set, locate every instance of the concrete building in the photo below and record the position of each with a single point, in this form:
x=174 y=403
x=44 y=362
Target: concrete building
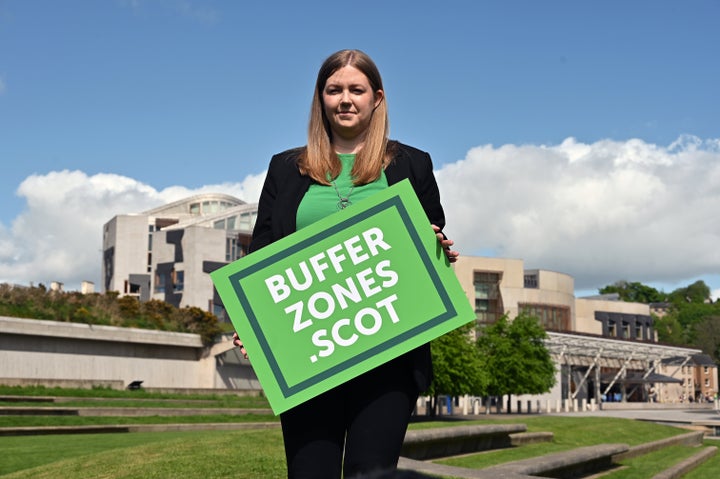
x=167 y=252
x=698 y=379
x=604 y=349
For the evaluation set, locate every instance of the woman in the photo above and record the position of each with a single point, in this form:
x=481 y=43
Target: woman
x=358 y=427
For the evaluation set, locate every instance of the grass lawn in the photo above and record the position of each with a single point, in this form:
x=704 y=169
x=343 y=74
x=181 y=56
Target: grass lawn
x=38 y=421
x=709 y=469
x=136 y=397
x=259 y=453
x=132 y=403
x=189 y=455
x=570 y=432
x=651 y=464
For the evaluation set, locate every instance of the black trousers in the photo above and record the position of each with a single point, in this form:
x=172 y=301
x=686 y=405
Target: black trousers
x=357 y=428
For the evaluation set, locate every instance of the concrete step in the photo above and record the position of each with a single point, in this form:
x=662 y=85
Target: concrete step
x=451 y=441
x=683 y=467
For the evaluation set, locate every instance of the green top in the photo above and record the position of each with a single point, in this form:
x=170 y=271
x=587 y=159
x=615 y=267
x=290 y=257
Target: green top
x=321 y=200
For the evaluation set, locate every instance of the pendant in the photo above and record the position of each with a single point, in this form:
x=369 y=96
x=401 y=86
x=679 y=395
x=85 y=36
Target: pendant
x=344 y=200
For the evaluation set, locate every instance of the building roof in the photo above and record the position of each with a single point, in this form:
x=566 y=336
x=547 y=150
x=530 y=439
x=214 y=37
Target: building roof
x=209 y=220
x=183 y=206
x=703 y=360
x=584 y=349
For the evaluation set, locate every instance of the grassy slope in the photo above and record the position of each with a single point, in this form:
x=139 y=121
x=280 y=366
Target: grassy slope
x=190 y=455
x=259 y=454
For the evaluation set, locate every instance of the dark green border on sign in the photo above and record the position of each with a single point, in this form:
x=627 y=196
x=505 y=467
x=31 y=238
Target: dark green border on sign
x=393 y=202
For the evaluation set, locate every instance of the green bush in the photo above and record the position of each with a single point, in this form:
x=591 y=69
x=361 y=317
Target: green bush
x=36 y=302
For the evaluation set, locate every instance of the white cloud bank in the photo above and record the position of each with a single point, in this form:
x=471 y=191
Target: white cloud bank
x=59 y=235
x=600 y=212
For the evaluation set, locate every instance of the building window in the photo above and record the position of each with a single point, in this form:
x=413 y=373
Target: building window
x=531 y=280
x=195 y=208
x=626 y=331
x=638 y=331
x=219 y=224
x=488 y=301
x=612 y=329
x=551 y=317
x=219 y=312
x=244 y=221
x=707 y=383
x=178 y=281
x=159 y=283
x=233 y=251
x=706 y=370
x=231 y=222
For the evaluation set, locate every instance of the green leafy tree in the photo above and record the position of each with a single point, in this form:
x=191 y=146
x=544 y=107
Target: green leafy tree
x=697 y=293
x=669 y=330
x=707 y=336
x=516 y=357
x=635 y=292
x=457 y=365
x=690 y=314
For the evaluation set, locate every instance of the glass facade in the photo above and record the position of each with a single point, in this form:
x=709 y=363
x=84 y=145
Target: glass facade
x=552 y=318
x=488 y=300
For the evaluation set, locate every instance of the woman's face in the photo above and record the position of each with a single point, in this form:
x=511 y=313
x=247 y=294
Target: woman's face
x=349 y=102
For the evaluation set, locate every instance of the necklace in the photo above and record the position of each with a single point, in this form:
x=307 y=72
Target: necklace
x=344 y=200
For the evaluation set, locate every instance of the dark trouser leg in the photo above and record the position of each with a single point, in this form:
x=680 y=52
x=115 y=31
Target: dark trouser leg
x=314 y=435
x=366 y=417
x=380 y=405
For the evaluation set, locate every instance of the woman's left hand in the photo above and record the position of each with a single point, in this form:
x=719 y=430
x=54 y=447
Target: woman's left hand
x=446 y=244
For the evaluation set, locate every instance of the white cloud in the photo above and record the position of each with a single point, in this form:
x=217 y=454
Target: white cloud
x=600 y=212
x=59 y=235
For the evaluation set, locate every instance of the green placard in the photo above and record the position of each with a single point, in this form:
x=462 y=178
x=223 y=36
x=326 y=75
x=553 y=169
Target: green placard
x=341 y=296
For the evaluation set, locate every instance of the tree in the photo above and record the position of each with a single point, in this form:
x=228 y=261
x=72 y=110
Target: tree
x=457 y=365
x=707 y=336
x=516 y=357
x=691 y=314
x=669 y=330
x=635 y=292
x=698 y=293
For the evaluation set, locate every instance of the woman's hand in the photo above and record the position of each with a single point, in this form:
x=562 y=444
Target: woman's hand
x=446 y=244
x=239 y=344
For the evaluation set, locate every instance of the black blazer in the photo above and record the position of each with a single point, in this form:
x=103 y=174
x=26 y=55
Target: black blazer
x=285 y=187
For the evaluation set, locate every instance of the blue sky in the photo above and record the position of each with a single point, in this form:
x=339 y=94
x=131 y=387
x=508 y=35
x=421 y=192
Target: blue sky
x=123 y=104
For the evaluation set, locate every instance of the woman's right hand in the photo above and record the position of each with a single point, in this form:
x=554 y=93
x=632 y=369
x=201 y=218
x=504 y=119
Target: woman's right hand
x=239 y=344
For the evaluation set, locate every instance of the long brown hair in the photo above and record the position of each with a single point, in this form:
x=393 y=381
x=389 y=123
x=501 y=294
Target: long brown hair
x=319 y=160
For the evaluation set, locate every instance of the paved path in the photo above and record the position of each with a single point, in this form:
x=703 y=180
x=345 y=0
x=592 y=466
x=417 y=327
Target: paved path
x=684 y=416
